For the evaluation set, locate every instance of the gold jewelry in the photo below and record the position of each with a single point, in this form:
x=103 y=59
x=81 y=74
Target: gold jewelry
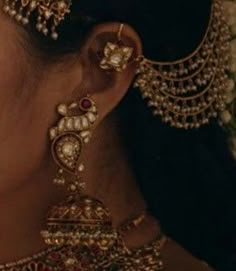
x=116 y=56
x=188 y=92
x=75 y=258
x=72 y=132
x=147 y=258
x=133 y=223
x=50 y=13
x=80 y=219
x=80 y=230
x=28 y=261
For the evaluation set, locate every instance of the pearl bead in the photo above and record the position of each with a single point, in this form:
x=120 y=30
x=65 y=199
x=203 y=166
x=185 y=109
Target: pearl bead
x=226 y=116
x=81 y=168
x=19 y=17
x=12 y=13
x=53 y=133
x=39 y=26
x=33 y=5
x=25 y=21
x=45 y=31
x=62 y=109
x=47 y=14
x=6 y=8
x=54 y=35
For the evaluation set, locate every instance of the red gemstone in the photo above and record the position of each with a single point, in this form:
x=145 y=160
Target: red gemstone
x=95 y=249
x=85 y=262
x=86 y=104
x=55 y=256
x=40 y=266
x=43 y=268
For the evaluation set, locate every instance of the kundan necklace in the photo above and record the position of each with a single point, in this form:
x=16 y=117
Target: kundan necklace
x=77 y=258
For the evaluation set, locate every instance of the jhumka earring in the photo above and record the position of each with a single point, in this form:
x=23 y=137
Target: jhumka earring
x=80 y=220
x=188 y=92
x=116 y=56
x=50 y=13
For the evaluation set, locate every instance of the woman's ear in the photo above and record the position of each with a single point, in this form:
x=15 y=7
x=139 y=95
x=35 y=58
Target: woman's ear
x=105 y=82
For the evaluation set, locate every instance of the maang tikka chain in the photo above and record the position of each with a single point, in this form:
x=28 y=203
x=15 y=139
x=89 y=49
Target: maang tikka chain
x=49 y=13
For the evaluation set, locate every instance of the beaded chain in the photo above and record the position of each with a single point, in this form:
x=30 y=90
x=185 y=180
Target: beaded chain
x=188 y=92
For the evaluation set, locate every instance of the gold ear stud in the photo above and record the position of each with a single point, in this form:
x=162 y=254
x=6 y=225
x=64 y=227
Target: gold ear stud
x=116 y=55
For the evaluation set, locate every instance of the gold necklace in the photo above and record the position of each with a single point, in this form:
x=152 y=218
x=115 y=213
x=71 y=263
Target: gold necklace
x=86 y=259
x=147 y=258
x=186 y=93
x=25 y=261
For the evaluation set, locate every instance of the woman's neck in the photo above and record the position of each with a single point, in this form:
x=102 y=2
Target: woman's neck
x=108 y=177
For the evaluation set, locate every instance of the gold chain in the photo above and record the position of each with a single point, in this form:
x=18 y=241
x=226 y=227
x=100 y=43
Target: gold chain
x=186 y=93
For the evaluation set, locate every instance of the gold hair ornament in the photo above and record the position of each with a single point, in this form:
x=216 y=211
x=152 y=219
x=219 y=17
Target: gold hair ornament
x=50 y=13
x=188 y=92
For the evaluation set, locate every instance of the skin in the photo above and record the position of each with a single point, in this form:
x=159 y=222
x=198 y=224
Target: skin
x=30 y=90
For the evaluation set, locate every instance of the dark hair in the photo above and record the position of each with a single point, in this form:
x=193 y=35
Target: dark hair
x=187 y=177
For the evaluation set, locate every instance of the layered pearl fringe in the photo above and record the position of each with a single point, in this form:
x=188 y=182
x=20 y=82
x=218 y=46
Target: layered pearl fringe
x=228 y=116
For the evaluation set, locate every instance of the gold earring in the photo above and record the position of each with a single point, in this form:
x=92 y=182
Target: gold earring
x=50 y=13
x=116 y=56
x=80 y=219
